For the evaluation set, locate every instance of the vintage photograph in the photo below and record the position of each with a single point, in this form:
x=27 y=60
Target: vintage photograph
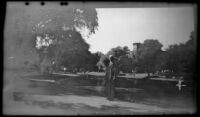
x=99 y=58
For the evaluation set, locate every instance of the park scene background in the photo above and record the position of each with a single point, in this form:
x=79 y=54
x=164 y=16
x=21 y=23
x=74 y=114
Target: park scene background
x=52 y=61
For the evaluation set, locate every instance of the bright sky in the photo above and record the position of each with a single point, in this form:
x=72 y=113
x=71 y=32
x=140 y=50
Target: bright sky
x=124 y=26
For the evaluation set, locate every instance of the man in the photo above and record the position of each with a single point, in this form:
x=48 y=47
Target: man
x=111 y=72
x=134 y=72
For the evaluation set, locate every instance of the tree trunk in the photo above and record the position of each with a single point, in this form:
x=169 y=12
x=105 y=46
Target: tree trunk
x=56 y=65
x=57 y=61
x=148 y=74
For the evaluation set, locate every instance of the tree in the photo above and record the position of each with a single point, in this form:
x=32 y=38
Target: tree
x=100 y=64
x=126 y=64
x=182 y=57
x=93 y=61
x=118 y=51
x=173 y=58
x=190 y=54
x=66 y=44
x=37 y=28
x=124 y=56
x=161 y=61
x=148 y=53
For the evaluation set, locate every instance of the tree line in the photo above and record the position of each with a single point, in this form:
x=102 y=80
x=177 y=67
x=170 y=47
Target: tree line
x=149 y=57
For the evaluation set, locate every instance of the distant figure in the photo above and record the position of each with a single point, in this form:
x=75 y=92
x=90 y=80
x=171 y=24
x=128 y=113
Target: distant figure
x=134 y=73
x=53 y=62
x=75 y=70
x=179 y=85
x=65 y=69
x=111 y=72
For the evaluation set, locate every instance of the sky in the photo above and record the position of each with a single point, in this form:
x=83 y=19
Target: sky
x=124 y=26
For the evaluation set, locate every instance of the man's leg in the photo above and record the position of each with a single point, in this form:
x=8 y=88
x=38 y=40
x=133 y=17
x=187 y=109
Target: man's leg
x=106 y=90
x=111 y=92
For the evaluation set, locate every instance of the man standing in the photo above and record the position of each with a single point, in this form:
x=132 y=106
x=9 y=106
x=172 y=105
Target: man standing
x=111 y=72
x=134 y=72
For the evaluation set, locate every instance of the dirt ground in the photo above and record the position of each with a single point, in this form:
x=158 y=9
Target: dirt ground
x=66 y=96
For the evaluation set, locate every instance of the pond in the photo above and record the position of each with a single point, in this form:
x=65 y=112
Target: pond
x=132 y=90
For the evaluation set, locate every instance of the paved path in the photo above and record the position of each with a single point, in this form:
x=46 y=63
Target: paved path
x=83 y=105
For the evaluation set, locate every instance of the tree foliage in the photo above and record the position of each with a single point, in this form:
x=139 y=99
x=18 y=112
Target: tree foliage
x=101 y=62
x=182 y=57
x=64 y=28
x=118 y=51
x=123 y=56
x=148 y=54
x=68 y=46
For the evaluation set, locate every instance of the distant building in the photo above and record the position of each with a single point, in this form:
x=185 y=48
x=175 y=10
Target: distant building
x=136 y=47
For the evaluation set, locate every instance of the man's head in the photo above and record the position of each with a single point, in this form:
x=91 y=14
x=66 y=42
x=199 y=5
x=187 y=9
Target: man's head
x=111 y=58
x=106 y=62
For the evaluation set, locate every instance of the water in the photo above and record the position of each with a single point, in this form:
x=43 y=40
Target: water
x=144 y=91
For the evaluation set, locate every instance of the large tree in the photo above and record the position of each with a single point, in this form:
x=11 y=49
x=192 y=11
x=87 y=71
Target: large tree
x=126 y=64
x=124 y=56
x=48 y=29
x=148 y=53
x=118 y=51
x=57 y=32
x=68 y=46
x=181 y=57
x=100 y=64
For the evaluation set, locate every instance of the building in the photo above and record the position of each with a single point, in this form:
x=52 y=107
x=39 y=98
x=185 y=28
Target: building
x=136 y=47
